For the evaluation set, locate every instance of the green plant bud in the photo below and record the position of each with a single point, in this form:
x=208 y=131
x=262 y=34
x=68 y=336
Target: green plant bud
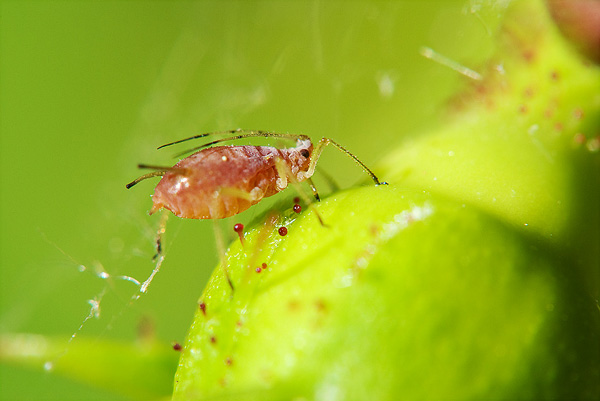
x=474 y=275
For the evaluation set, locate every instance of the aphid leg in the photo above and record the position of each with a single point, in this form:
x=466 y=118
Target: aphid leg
x=160 y=171
x=253 y=196
x=158 y=257
x=145 y=176
x=285 y=174
x=159 y=234
x=314 y=189
x=238 y=193
x=220 y=243
x=261 y=238
x=221 y=251
x=319 y=149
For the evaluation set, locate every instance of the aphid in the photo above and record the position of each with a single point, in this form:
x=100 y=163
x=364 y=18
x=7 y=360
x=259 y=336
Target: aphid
x=282 y=231
x=222 y=181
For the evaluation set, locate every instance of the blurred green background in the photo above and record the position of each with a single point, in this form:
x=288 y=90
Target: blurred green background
x=90 y=89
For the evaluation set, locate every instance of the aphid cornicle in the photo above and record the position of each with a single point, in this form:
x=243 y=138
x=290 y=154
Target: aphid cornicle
x=222 y=181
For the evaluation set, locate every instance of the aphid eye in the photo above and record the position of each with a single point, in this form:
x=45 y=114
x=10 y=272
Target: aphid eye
x=305 y=153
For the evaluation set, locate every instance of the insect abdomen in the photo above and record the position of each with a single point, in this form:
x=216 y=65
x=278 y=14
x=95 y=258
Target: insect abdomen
x=218 y=182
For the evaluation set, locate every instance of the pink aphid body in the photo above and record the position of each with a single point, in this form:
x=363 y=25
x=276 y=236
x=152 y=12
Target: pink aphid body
x=222 y=181
x=211 y=183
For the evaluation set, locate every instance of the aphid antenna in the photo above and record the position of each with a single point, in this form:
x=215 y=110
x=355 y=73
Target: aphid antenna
x=321 y=146
x=243 y=134
x=227 y=132
x=183 y=140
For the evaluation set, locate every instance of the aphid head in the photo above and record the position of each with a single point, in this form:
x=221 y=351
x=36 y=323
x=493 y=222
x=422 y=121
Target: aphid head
x=304 y=149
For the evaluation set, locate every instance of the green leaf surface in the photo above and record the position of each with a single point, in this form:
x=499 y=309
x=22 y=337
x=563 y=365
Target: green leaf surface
x=515 y=144
x=408 y=294
x=523 y=143
x=142 y=370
